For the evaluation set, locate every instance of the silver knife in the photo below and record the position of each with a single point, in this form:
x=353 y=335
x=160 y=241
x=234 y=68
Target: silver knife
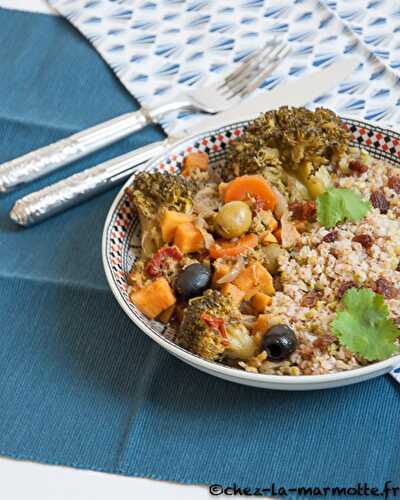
x=73 y=190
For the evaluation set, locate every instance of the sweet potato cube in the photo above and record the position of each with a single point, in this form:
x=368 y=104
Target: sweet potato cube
x=154 y=298
x=194 y=161
x=235 y=293
x=188 y=238
x=262 y=324
x=170 y=220
x=255 y=278
x=260 y=301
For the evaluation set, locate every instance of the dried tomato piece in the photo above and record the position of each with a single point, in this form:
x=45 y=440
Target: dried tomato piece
x=344 y=287
x=379 y=201
x=324 y=341
x=304 y=210
x=386 y=288
x=216 y=323
x=358 y=167
x=156 y=264
x=398 y=266
x=330 y=237
x=311 y=298
x=365 y=240
x=394 y=183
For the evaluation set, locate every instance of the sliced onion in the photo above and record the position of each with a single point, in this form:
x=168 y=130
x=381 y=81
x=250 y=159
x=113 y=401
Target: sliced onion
x=233 y=273
x=281 y=205
x=248 y=320
x=147 y=243
x=202 y=226
x=290 y=235
x=206 y=201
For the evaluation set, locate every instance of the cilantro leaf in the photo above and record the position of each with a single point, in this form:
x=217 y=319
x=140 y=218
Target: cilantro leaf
x=339 y=204
x=364 y=327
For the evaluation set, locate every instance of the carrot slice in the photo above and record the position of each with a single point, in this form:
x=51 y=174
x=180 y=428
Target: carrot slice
x=223 y=248
x=251 y=185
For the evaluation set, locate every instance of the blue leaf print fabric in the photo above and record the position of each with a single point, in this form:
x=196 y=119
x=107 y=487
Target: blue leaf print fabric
x=160 y=48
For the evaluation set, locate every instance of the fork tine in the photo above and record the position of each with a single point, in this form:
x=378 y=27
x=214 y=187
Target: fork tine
x=255 y=83
x=249 y=61
x=243 y=81
x=252 y=68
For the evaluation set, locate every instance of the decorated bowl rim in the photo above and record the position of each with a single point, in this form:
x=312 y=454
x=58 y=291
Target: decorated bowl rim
x=211 y=366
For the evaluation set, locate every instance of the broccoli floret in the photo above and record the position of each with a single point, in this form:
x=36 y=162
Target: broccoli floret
x=202 y=330
x=152 y=191
x=297 y=140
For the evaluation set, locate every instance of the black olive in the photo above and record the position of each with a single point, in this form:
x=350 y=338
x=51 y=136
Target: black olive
x=279 y=342
x=193 y=280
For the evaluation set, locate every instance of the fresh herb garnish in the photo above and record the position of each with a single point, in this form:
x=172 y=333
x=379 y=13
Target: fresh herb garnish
x=364 y=327
x=339 y=204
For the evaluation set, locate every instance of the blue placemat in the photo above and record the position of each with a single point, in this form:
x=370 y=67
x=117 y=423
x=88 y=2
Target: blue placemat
x=80 y=385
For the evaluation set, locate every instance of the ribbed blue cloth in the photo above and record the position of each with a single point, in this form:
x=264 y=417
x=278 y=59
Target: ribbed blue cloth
x=80 y=385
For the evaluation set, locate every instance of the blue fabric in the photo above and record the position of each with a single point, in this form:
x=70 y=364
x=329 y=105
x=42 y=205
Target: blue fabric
x=80 y=385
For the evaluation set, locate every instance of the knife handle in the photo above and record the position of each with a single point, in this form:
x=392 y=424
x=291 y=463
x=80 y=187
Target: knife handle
x=41 y=162
x=49 y=201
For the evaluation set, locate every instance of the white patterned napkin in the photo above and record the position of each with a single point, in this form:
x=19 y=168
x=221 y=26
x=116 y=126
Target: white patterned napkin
x=160 y=47
x=396 y=374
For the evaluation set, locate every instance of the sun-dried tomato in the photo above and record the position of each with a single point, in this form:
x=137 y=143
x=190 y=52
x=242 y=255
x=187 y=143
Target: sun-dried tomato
x=394 y=183
x=156 y=264
x=216 y=323
x=398 y=266
x=379 y=201
x=304 y=210
x=365 y=240
x=344 y=287
x=330 y=237
x=386 y=288
x=358 y=167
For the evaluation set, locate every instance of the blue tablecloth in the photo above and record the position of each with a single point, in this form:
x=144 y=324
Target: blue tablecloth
x=80 y=385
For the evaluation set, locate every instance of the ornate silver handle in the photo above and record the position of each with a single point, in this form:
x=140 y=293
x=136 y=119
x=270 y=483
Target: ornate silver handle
x=38 y=163
x=42 y=204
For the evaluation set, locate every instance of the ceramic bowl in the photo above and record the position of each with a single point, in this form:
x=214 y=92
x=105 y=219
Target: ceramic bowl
x=121 y=248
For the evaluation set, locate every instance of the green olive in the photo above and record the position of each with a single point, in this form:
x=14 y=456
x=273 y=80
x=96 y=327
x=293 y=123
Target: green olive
x=271 y=254
x=233 y=219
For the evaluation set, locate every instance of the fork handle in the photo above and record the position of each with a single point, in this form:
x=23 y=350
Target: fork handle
x=77 y=188
x=38 y=163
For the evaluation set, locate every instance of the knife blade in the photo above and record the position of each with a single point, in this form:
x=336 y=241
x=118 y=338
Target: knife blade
x=297 y=92
x=77 y=188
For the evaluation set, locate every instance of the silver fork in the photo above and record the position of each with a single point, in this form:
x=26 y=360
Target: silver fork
x=208 y=99
x=42 y=204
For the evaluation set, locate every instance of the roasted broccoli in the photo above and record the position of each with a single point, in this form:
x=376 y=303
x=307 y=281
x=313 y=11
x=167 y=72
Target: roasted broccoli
x=202 y=330
x=294 y=141
x=152 y=191
x=212 y=328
